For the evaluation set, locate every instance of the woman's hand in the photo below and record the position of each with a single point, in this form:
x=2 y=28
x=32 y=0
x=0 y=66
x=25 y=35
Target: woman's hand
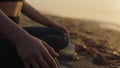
x=37 y=53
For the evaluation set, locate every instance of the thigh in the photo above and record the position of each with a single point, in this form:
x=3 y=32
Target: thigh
x=41 y=31
x=56 y=38
x=8 y=55
x=56 y=42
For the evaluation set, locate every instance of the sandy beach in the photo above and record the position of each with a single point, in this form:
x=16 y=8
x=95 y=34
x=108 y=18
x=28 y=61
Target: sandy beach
x=92 y=36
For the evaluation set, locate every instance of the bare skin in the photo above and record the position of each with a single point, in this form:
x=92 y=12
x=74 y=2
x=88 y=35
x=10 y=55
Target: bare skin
x=30 y=49
x=38 y=17
x=42 y=55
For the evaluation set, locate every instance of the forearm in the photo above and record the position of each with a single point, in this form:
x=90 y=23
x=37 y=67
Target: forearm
x=11 y=30
x=37 y=16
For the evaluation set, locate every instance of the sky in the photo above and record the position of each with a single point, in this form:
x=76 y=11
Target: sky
x=102 y=10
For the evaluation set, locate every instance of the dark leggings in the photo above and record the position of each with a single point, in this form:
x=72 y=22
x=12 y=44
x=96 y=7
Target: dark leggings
x=8 y=54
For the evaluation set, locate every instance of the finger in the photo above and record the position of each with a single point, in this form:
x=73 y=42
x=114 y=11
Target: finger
x=49 y=58
x=58 y=64
x=26 y=64
x=50 y=49
x=41 y=61
x=34 y=63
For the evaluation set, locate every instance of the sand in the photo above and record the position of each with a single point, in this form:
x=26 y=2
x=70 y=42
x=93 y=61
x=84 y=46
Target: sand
x=96 y=47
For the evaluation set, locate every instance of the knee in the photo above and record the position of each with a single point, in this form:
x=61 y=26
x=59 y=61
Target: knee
x=57 y=42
